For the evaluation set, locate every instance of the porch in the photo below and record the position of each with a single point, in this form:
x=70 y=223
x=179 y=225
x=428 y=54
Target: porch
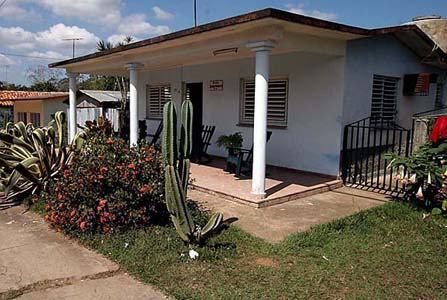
x=282 y=185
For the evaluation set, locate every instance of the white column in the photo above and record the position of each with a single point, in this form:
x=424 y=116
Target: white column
x=262 y=49
x=133 y=102
x=72 y=90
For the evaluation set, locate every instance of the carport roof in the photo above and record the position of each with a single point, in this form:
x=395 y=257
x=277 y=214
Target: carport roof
x=411 y=35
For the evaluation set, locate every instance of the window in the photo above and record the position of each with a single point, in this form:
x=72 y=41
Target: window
x=384 y=98
x=276 y=105
x=156 y=97
x=22 y=117
x=439 y=103
x=35 y=119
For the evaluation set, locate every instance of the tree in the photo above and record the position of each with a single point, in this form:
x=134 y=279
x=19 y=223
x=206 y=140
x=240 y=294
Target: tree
x=44 y=79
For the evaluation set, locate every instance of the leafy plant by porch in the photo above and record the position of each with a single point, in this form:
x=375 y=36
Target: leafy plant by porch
x=390 y=252
x=232 y=141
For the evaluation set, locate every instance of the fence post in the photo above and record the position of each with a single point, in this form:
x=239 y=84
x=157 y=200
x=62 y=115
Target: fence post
x=344 y=159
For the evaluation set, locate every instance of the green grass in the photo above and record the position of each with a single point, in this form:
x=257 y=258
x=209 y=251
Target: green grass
x=388 y=252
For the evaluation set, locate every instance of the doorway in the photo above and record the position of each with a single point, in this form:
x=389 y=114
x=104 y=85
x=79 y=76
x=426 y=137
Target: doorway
x=194 y=92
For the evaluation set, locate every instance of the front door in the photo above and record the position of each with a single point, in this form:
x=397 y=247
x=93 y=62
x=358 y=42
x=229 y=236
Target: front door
x=194 y=92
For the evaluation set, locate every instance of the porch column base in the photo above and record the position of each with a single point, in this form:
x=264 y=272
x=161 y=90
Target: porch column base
x=257 y=196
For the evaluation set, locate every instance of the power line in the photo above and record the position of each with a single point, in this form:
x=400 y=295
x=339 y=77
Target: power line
x=30 y=56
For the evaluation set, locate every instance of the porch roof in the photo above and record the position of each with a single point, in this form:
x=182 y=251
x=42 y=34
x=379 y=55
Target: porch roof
x=263 y=24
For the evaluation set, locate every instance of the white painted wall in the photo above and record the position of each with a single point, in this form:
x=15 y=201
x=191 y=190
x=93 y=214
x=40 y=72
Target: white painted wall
x=50 y=107
x=382 y=55
x=311 y=142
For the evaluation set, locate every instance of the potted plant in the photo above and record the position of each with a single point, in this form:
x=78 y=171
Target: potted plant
x=231 y=142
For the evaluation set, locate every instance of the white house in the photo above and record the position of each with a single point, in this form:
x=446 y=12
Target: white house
x=320 y=77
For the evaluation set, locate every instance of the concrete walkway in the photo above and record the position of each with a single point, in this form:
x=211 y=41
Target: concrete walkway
x=276 y=222
x=38 y=263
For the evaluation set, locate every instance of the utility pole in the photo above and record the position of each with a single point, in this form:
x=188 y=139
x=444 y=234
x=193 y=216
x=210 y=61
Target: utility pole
x=195 y=13
x=74 y=44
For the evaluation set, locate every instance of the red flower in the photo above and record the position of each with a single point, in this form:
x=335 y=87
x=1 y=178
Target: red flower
x=82 y=225
x=72 y=213
x=66 y=174
x=102 y=170
x=145 y=188
x=102 y=202
x=131 y=166
x=109 y=141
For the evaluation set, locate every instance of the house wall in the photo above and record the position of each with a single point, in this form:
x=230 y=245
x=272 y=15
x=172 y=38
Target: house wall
x=383 y=55
x=34 y=106
x=311 y=141
x=50 y=107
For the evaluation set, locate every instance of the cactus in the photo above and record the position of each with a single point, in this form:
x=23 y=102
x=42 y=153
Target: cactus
x=176 y=161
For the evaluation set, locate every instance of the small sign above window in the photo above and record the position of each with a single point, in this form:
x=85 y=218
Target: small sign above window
x=216 y=85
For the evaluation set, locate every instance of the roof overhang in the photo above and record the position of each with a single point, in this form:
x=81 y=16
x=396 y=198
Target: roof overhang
x=197 y=45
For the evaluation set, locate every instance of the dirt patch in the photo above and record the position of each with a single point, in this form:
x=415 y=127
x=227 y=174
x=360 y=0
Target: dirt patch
x=266 y=262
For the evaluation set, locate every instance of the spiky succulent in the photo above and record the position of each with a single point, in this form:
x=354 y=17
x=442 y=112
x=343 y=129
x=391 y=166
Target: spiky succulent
x=30 y=156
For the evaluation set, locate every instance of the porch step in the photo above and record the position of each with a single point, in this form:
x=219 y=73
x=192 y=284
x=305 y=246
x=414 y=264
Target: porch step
x=270 y=200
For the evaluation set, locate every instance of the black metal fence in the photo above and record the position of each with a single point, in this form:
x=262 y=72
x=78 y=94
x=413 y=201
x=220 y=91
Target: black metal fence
x=365 y=144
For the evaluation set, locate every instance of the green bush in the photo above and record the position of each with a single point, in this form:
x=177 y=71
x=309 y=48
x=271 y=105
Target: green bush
x=108 y=187
x=424 y=175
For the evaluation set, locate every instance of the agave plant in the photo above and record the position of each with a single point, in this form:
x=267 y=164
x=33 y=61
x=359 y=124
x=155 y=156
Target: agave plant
x=176 y=161
x=30 y=156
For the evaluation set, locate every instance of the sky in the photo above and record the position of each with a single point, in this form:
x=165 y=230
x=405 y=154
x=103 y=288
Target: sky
x=33 y=32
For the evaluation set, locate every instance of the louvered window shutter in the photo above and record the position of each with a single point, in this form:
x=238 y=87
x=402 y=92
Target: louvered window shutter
x=157 y=96
x=384 y=98
x=276 y=106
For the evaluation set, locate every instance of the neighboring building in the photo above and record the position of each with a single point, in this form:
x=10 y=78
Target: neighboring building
x=92 y=104
x=321 y=76
x=6 y=107
x=30 y=107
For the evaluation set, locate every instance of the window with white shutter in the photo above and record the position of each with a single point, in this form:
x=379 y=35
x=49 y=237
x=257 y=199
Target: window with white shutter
x=156 y=97
x=276 y=105
x=384 y=98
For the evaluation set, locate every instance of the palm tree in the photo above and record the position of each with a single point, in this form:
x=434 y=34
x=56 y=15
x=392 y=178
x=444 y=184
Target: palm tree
x=121 y=82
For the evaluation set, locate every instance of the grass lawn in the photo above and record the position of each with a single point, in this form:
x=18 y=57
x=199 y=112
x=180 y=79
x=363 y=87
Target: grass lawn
x=388 y=252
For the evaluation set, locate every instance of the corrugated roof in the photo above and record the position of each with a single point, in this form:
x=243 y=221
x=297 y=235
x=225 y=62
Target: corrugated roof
x=103 y=96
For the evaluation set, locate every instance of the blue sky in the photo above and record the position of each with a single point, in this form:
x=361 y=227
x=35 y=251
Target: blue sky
x=37 y=27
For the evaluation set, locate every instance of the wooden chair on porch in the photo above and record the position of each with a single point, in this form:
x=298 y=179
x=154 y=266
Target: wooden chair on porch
x=241 y=160
x=207 y=135
x=156 y=136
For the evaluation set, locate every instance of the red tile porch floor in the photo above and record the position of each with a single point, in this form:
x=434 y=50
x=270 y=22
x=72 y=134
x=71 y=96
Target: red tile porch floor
x=282 y=185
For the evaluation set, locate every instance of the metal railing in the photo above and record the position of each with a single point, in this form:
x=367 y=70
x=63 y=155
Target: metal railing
x=365 y=143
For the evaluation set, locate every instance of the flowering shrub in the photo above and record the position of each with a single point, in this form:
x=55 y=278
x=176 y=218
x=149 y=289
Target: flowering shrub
x=425 y=179
x=108 y=187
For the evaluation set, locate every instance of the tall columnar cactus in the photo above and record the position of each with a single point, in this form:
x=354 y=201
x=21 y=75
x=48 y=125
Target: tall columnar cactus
x=176 y=160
